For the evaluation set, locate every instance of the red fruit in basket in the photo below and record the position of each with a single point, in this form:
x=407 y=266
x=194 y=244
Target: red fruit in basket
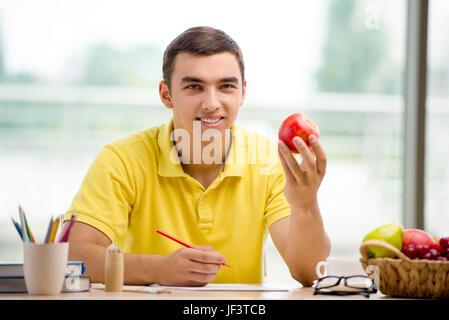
x=422 y=250
x=416 y=237
x=436 y=246
x=432 y=254
x=440 y=258
x=444 y=242
x=435 y=254
x=428 y=256
x=410 y=251
x=444 y=252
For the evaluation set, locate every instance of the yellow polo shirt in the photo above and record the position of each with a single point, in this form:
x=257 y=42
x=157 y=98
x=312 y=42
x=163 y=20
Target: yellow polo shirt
x=135 y=186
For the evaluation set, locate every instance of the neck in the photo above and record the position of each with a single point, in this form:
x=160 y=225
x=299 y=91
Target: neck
x=212 y=158
x=204 y=155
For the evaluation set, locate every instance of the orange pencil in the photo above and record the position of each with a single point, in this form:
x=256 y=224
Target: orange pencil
x=54 y=230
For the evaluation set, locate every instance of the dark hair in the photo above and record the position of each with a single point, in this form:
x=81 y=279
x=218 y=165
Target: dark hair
x=200 y=41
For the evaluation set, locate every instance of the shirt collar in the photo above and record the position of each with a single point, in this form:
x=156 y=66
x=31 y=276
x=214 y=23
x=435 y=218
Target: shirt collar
x=170 y=163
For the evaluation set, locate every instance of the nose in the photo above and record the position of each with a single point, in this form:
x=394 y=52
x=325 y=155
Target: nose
x=210 y=101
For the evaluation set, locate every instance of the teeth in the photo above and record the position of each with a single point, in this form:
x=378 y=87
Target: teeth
x=210 y=120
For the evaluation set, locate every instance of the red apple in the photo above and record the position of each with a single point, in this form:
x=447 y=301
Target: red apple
x=299 y=125
x=417 y=237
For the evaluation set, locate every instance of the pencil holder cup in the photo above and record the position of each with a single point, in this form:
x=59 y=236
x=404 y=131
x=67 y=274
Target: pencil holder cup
x=44 y=267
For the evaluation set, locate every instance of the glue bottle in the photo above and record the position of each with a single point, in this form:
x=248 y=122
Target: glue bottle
x=113 y=269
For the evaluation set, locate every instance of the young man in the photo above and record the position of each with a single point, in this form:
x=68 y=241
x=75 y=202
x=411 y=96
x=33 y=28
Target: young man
x=170 y=178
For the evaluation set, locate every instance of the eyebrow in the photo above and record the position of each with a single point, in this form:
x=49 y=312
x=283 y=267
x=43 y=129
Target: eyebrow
x=193 y=79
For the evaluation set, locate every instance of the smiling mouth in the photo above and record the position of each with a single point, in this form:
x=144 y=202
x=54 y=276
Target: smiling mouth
x=209 y=120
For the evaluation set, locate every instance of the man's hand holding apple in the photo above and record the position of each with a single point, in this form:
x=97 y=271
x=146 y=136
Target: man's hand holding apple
x=300 y=237
x=302 y=179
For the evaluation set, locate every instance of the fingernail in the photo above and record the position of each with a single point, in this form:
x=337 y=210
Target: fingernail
x=313 y=138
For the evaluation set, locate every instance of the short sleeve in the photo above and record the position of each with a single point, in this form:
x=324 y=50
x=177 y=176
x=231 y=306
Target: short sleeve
x=276 y=206
x=106 y=195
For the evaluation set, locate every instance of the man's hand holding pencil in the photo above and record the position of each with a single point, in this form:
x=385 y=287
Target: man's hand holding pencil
x=190 y=266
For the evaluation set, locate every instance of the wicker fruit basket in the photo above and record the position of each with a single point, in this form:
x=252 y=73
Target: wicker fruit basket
x=404 y=277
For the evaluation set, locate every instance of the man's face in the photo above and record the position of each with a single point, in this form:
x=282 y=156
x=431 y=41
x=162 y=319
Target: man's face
x=204 y=88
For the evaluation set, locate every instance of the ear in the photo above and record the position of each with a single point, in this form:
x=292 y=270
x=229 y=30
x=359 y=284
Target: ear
x=242 y=97
x=164 y=93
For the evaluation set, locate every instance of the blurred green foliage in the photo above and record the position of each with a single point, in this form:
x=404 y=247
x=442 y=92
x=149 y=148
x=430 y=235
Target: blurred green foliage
x=21 y=77
x=355 y=58
x=138 y=66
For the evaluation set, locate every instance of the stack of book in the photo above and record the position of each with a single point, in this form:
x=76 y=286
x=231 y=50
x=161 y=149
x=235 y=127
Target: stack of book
x=12 y=278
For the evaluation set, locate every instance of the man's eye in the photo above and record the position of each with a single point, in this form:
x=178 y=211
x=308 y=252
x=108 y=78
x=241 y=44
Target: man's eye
x=229 y=86
x=192 y=86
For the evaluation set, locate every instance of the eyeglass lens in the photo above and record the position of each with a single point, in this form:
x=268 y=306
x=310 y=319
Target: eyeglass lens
x=357 y=282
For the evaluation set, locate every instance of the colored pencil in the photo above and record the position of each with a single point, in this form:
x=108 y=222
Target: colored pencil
x=50 y=226
x=181 y=242
x=23 y=226
x=54 y=230
x=63 y=230
x=63 y=227
x=61 y=222
x=16 y=225
x=27 y=228
x=65 y=236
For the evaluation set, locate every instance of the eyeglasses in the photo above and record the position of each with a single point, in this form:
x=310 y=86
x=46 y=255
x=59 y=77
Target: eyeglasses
x=333 y=285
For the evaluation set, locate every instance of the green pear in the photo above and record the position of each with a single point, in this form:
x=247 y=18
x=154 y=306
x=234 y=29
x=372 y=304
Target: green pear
x=391 y=233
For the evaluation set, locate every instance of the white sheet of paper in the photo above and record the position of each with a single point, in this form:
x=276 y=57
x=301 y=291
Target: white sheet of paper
x=233 y=287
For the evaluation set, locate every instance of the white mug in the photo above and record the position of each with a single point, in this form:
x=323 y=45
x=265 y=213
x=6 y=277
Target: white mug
x=44 y=267
x=335 y=266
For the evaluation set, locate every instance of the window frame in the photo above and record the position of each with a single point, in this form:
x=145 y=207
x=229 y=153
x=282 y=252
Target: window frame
x=415 y=86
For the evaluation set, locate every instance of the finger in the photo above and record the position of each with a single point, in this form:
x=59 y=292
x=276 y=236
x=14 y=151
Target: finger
x=206 y=268
x=321 y=158
x=308 y=159
x=204 y=256
x=205 y=248
x=290 y=161
x=210 y=249
x=288 y=174
x=201 y=279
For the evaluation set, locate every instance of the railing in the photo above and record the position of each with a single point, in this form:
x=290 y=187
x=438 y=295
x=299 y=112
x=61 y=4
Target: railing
x=66 y=125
